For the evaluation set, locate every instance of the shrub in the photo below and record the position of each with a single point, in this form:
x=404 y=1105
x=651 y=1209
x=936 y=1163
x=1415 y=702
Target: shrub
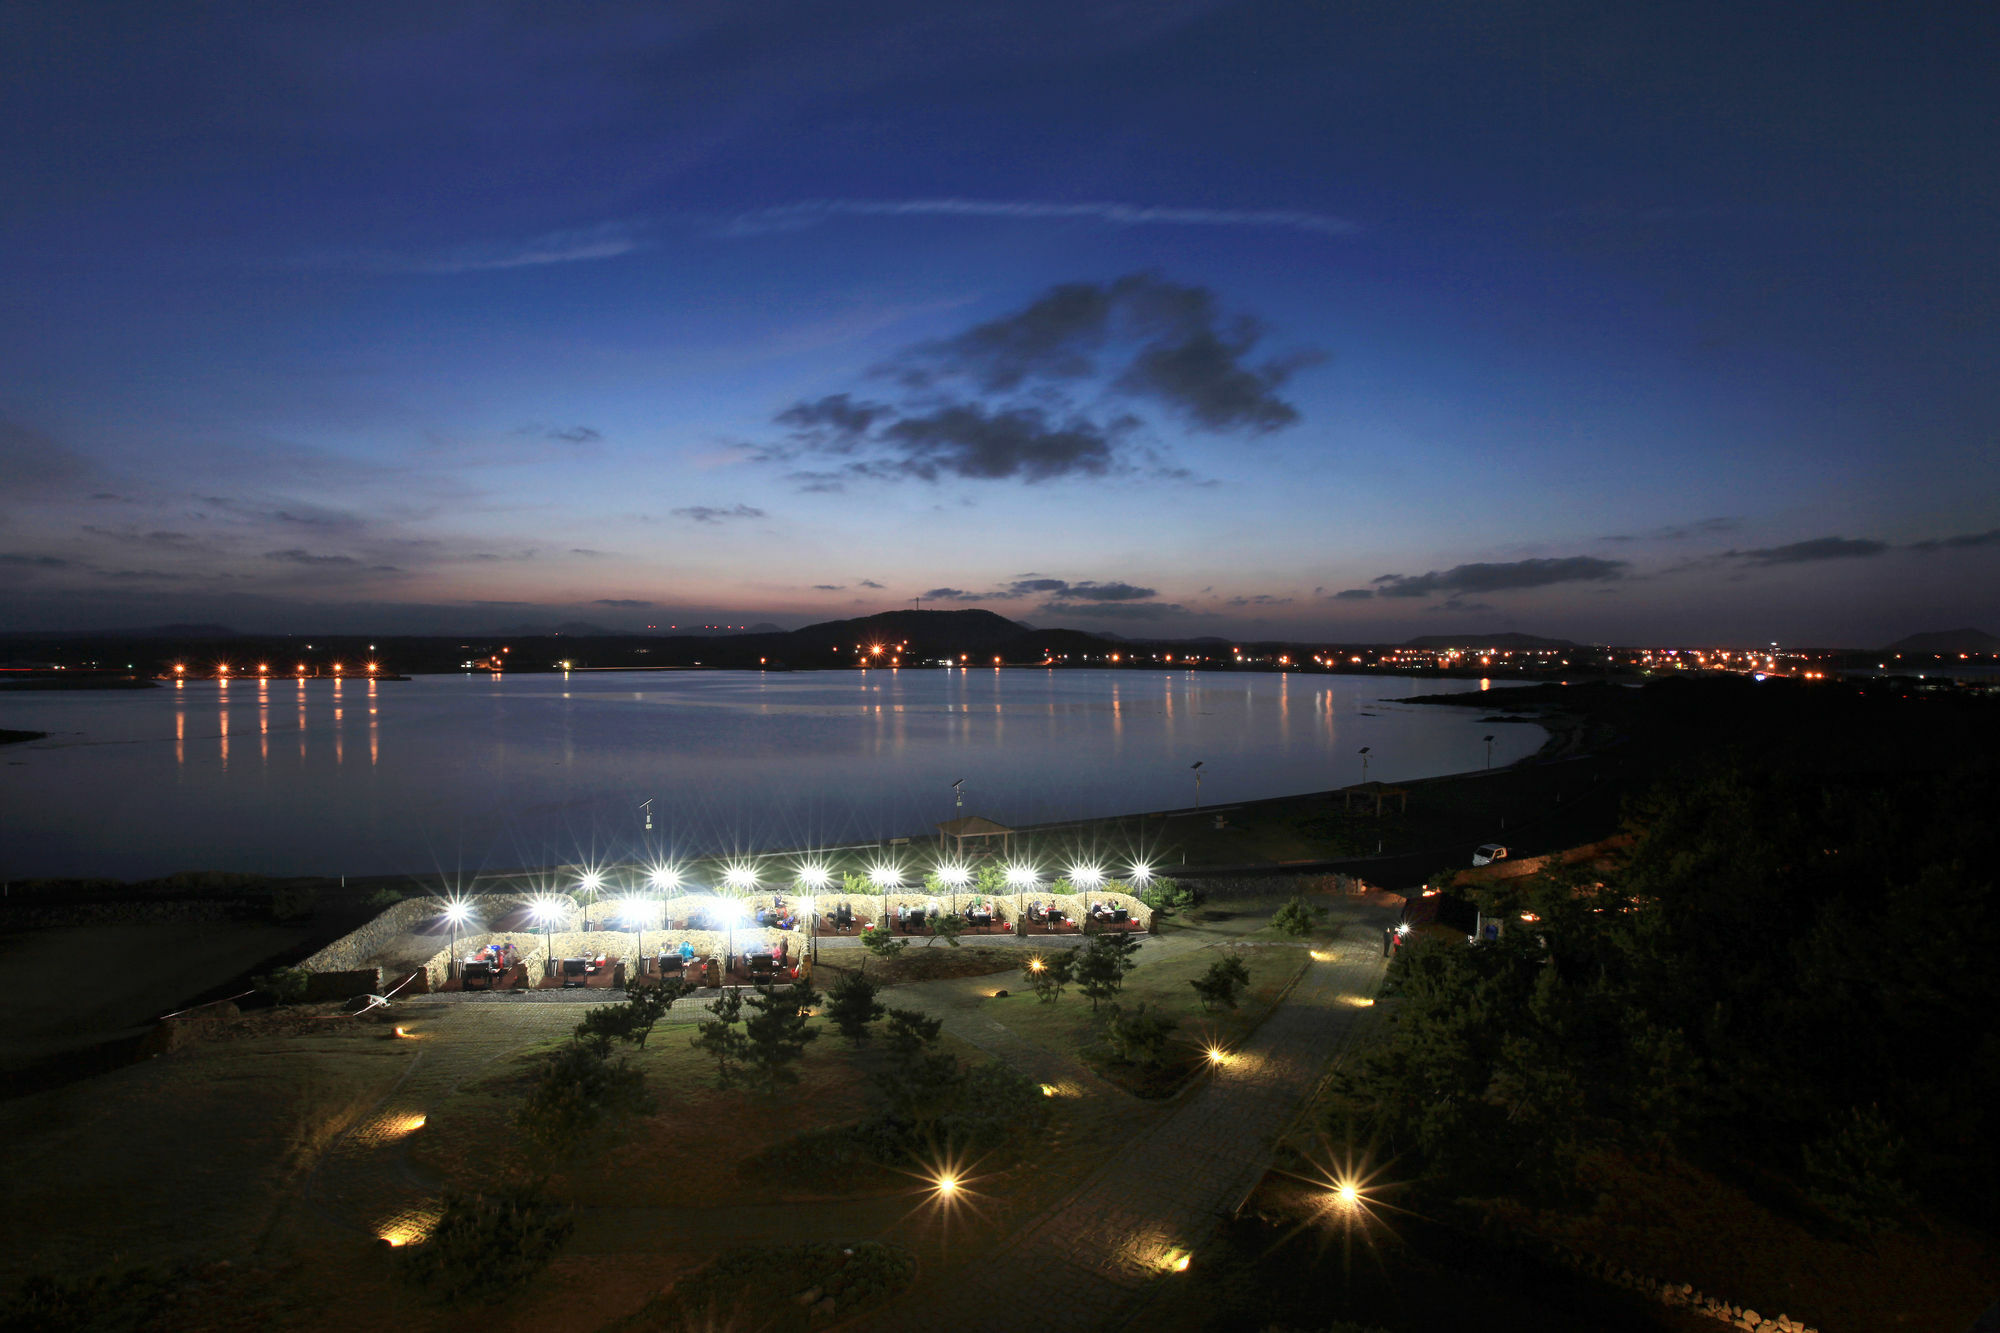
x=1047 y=976
x=1297 y=918
x=947 y=928
x=718 y=1038
x=285 y=985
x=486 y=1244
x=1855 y=1173
x=776 y=1034
x=633 y=1020
x=1222 y=984
x=852 y=1006
x=910 y=1031
x=1139 y=1036
x=1167 y=898
x=580 y=1099
x=879 y=942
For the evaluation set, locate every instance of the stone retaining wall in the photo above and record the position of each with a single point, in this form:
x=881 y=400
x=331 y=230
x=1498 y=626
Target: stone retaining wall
x=378 y=938
x=1680 y=1295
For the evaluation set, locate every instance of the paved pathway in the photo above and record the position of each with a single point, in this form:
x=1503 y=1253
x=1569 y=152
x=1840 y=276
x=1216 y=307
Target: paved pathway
x=1094 y=1252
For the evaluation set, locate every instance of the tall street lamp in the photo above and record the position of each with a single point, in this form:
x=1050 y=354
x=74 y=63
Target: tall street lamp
x=455 y=912
x=1196 y=770
x=1489 y=751
x=1364 y=765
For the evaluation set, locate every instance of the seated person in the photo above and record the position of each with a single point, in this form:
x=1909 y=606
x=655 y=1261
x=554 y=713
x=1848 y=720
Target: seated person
x=686 y=952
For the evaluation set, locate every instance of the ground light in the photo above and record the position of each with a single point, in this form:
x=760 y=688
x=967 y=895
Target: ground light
x=1217 y=1056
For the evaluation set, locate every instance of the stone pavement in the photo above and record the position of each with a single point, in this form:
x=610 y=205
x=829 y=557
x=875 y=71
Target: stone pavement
x=1084 y=1262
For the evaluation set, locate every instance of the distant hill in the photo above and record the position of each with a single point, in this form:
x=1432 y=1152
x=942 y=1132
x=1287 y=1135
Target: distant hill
x=928 y=633
x=1487 y=641
x=148 y=632
x=1944 y=641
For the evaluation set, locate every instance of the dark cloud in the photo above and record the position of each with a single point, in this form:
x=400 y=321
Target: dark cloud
x=1001 y=401
x=587 y=553
x=870 y=583
x=1458 y=604
x=1107 y=592
x=577 y=435
x=829 y=587
x=297 y=556
x=834 y=422
x=620 y=601
x=1963 y=541
x=1501 y=577
x=1819 y=548
x=1053 y=337
x=159 y=540
x=965 y=440
x=24 y=560
x=712 y=514
x=1706 y=527
x=1090 y=590
x=1353 y=594
x=1260 y=599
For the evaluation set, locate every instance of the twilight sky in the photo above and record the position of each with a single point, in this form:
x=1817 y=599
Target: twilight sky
x=1623 y=323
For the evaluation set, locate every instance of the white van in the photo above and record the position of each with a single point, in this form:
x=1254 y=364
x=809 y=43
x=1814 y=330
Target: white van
x=1488 y=853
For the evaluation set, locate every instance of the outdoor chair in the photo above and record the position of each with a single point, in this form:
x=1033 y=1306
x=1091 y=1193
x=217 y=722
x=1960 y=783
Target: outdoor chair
x=671 y=964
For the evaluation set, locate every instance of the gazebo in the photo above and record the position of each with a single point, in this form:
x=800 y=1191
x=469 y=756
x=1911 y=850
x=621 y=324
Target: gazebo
x=1380 y=791
x=957 y=831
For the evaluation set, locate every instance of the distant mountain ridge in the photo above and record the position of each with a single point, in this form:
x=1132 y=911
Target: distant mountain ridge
x=1487 y=641
x=1945 y=641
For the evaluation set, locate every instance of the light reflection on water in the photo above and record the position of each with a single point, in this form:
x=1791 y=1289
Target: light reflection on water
x=488 y=772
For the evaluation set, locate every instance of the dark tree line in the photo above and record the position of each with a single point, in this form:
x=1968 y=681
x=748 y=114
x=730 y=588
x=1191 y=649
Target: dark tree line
x=1789 y=971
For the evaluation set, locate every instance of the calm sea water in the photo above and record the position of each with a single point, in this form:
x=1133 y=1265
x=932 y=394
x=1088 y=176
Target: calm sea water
x=462 y=773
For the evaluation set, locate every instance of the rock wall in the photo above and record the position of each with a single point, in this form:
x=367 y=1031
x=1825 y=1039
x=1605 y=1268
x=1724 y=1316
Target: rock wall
x=389 y=935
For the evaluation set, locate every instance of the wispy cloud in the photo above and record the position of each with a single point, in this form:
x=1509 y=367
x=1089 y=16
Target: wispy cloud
x=1806 y=552
x=715 y=514
x=812 y=212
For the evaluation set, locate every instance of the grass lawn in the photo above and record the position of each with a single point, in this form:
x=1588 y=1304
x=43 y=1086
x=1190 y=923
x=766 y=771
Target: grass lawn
x=1069 y=1026
x=939 y=962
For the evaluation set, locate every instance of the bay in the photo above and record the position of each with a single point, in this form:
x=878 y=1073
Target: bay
x=458 y=774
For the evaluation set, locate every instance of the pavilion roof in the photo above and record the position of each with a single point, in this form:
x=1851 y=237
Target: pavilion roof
x=972 y=826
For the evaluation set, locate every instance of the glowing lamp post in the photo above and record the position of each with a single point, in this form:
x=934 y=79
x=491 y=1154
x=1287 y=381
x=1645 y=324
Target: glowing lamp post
x=591 y=883
x=545 y=912
x=957 y=877
x=1020 y=879
x=1364 y=765
x=885 y=878
x=1088 y=877
x=1489 y=751
x=455 y=913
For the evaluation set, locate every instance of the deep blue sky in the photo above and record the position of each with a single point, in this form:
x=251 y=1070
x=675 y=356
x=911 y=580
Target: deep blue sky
x=1633 y=323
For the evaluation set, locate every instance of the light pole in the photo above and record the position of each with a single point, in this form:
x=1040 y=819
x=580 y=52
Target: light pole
x=455 y=913
x=1196 y=770
x=1489 y=751
x=1089 y=877
x=545 y=912
x=958 y=792
x=1364 y=765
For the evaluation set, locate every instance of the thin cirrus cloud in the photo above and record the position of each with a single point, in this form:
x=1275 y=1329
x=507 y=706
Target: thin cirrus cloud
x=812 y=212
x=1003 y=400
x=606 y=240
